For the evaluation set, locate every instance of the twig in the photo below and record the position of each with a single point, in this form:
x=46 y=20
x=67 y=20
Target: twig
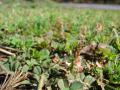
x=4 y=83
x=8 y=48
x=6 y=52
x=13 y=81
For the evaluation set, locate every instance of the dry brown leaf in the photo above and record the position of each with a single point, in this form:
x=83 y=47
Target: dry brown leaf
x=78 y=65
x=98 y=64
x=55 y=59
x=59 y=27
x=90 y=65
x=83 y=31
x=99 y=27
x=88 y=50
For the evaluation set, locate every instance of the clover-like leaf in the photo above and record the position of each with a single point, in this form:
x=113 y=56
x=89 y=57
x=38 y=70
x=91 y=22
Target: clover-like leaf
x=89 y=79
x=76 y=86
x=62 y=85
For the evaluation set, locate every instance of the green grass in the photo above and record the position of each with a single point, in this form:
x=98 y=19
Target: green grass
x=45 y=29
x=35 y=20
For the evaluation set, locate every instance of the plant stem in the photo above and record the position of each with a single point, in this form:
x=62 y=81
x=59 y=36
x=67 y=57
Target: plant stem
x=41 y=82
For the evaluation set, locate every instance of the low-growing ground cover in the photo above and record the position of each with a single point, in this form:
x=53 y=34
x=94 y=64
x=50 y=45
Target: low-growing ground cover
x=48 y=47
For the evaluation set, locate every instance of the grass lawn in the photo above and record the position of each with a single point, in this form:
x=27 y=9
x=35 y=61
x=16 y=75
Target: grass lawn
x=56 y=46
